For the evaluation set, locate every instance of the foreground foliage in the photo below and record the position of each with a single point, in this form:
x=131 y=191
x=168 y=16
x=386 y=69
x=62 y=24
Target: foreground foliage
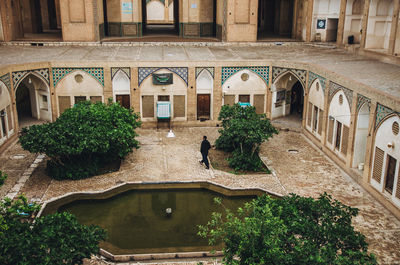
x=83 y=139
x=51 y=239
x=291 y=230
x=3 y=177
x=242 y=133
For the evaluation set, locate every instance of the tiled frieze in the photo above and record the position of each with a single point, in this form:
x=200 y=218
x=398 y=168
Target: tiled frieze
x=361 y=100
x=20 y=75
x=200 y=69
x=126 y=70
x=381 y=113
x=6 y=80
x=262 y=71
x=312 y=76
x=278 y=71
x=333 y=87
x=144 y=72
x=60 y=73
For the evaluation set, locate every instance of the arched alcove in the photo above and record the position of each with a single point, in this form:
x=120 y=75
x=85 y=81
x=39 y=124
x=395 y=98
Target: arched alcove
x=204 y=90
x=155 y=11
x=121 y=89
x=6 y=117
x=360 y=142
x=315 y=109
x=75 y=87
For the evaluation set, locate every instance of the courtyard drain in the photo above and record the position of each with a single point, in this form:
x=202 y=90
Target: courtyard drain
x=19 y=156
x=293 y=151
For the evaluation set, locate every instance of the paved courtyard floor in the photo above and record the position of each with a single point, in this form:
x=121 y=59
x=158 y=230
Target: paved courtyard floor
x=307 y=172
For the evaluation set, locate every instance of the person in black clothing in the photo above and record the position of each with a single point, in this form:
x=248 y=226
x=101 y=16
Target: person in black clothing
x=205 y=146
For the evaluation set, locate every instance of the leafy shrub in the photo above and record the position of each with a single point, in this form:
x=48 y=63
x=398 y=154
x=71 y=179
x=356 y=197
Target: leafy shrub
x=291 y=230
x=3 y=177
x=83 y=139
x=51 y=239
x=243 y=131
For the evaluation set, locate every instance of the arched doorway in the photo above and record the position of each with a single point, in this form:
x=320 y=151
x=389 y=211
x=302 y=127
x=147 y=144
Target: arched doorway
x=33 y=101
x=122 y=89
x=160 y=18
x=315 y=109
x=204 y=89
x=360 y=142
x=288 y=97
x=6 y=119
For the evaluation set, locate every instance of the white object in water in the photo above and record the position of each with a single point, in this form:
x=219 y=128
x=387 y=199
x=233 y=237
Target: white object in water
x=168 y=211
x=170 y=134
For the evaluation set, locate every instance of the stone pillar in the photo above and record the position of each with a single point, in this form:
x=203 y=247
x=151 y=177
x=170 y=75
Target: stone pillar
x=53 y=96
x=241 y=20
x=393 y=27
x=364 y=23
x=305 y=102
x=191 y=95
x=326 y=113
x=14 y=104
x=342 y=18
x=135 y=89
x=310 y=8
x=370 y=143
x=352 y=131
x=268 y=97
x=217 y=92
x=107 y=89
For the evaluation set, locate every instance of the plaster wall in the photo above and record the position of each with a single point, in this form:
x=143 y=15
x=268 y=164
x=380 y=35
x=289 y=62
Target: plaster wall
x=179 y=87
x=352 y=23
x=385 y=135
x=121 y=84
x=155 y=11
x=5 y=101
x=379 y=23
x=328 y=10
x=360 y=143
x=204 y=83
x=114 y=10
x=242 y=20
x=68 y=86
x=255 y=85
x=317 y=99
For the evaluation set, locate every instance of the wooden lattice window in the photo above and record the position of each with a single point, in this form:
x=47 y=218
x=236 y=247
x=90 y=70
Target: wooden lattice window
x=378 y=164
x=10 y=123
x=345 y=139
x=321 y=115
x=259 y=103
x=179 y=106
x=330 y=129
x=229 y=100
x=64 y=102
x=148 y=106
x=309 y=116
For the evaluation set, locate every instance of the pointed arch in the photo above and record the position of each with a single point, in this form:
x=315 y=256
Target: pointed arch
x=204 y=82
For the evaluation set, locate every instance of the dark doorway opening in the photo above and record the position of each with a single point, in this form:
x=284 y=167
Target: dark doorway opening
x=106 y=31
x=124 y=100
x=297 y=99
x=203 y=106
x=391 y=169
x=275 y=19
x=23 y=101
x=331 y=29
x=161 y=26
x=36 y=20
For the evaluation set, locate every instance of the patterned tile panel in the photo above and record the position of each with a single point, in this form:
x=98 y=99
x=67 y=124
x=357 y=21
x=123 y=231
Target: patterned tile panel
x=361 y=100
x=20 y=75
x=6 y=80
x=312 y=76
x=144 y=72
x=209 y=69
x=262 y=71
x=333 y=87
x=126 y=70
x=381 y=113
x=60 y=73
x=278 y=71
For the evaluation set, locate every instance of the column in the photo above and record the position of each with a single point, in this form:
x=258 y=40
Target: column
x=393 y=28
x=135 y=89
x=310 y=8
x=217 y=92
x=191 y=95
x=364 y=23
x=326 y=112
x=370 y=143
x=342 y=17
x=353 y=122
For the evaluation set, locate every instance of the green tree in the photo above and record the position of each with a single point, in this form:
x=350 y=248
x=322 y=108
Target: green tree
x=83 y=138
x=50 y=239
x=291 y=230
x=3 y=177
x=242 y=133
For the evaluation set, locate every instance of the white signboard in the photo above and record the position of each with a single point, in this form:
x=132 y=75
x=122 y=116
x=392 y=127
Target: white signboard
x=163 y=109
x=127 y=8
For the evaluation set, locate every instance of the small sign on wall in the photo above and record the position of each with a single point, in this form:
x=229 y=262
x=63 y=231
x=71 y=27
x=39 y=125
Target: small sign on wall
x=193 y=6
x=321 y=23
x=127 y=8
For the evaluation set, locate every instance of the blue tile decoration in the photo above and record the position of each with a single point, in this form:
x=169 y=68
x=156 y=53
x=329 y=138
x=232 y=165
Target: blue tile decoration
x=300 y=74
x=115 y=70
x=334 y=87
x=262 y=71
x=60 y=73
x=200 y=69
x=381 y=113
x=311 y=78
x=361 y=100
x=6 y=80
x=144 y=72
x=17 y=77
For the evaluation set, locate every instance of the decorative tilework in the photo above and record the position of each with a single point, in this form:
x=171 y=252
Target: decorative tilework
x=6 y=80
x=20 y=75
x=209 y=69
x=312 y=76
x=60 y=73
x=126 y=70
x=262 y=71
x=333 y=87
x=144 y=72
x=300 y=74
x=361 y=100
x=381 y=113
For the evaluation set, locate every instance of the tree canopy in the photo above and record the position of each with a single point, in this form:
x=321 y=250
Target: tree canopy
x=83 y=138
x=242 y=133
x=291 y=230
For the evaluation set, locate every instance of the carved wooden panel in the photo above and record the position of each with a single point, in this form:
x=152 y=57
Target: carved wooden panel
x=64 y=102
x=330 y=130
x=129 y=30
x=148 y=106
x=10 y=123
x=229 y=100
x=309 y=113
x=191 y=30
x=378 y=164
x=179 y=106
x=95 y=99
x=345 y=139
x=259 y=103
x=321 y=116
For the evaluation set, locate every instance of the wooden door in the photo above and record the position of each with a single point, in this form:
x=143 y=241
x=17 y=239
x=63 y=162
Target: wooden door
x=203 y=106
x=124 y=100
x=244 y=98
x=391 y=169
